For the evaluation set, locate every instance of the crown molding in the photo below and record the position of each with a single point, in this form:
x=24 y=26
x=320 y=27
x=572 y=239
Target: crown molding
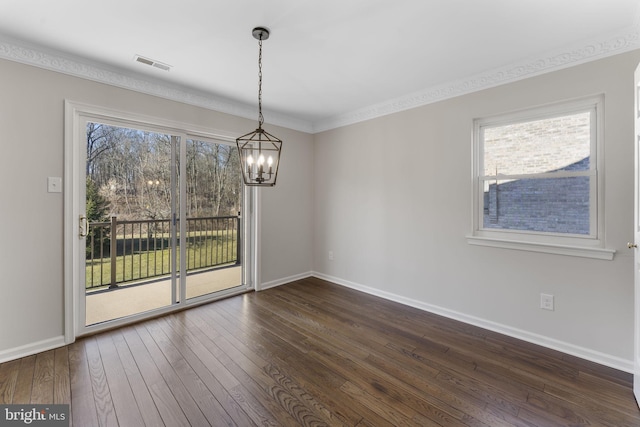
x=624 y=41
x=20 y=51
x=49 y=59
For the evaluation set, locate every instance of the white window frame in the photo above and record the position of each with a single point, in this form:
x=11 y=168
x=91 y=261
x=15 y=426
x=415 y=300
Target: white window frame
x=591 y=245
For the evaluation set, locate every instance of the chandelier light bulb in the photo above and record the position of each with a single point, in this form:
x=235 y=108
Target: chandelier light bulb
x=261 y=159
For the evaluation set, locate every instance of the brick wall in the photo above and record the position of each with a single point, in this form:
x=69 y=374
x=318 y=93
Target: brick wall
x=557 y=205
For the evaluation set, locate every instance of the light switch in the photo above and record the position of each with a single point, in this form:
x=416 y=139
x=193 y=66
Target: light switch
x=54 y=184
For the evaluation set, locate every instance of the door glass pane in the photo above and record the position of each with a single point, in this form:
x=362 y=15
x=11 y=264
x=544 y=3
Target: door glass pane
x=129 y=209
x=213 y=206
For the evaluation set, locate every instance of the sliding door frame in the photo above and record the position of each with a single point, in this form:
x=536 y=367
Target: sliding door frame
x=76 y=115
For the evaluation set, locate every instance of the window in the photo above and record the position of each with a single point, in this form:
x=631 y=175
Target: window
x=537 y=180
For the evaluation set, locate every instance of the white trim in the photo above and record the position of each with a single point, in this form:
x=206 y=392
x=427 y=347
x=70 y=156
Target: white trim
x=578 y=251
x=625 y=40
x=636 y=234
x=65 y=63
x=564 y=347
x=286 y=280
x=69 y=214
x=150 y=123
x=256 y=221
x=74 y=305
x=32 y=348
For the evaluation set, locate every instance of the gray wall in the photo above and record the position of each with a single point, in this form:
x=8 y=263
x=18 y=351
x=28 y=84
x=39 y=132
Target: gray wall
x=393 y=203
x=31 y=246
x=391 y=197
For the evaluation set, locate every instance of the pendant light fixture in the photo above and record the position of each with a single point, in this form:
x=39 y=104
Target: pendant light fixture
x=259 y=150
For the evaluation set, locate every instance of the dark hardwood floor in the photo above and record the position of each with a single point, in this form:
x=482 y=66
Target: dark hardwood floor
x=313 y=353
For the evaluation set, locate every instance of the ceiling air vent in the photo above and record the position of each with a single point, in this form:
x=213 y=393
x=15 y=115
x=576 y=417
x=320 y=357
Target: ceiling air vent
x=157 y=64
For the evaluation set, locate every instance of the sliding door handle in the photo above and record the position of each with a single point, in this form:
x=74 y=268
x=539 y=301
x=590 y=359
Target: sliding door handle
x=84 y=226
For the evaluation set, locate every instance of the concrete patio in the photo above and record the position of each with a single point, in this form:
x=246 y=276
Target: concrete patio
x=137 y=298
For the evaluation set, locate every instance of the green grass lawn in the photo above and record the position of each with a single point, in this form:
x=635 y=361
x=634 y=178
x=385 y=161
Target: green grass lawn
x=204 y=252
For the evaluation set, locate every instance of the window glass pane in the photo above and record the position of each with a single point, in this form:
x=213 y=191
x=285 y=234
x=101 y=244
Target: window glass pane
x=554 y=205
x=547 y=145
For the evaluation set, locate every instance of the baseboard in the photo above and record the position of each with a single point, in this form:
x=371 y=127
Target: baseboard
x=32 y=348
x=564 y=347
x=285 y=280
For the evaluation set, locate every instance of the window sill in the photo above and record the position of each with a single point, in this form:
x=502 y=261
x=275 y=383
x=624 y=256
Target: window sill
x=578 y=251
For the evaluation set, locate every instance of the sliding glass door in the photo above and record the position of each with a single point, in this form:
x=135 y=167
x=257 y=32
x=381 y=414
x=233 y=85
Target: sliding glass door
x=160 y=220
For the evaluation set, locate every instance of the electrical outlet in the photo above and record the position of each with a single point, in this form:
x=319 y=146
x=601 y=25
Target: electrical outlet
x=330 y=255
x=546 y=302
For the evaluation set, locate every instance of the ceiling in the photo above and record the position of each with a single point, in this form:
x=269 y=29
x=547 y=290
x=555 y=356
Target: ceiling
x=327 y=63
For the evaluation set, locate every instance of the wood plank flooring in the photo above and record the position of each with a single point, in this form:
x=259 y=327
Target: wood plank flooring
x=312 y=353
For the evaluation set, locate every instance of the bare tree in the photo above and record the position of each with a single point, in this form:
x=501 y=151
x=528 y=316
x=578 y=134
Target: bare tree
x=132 y=169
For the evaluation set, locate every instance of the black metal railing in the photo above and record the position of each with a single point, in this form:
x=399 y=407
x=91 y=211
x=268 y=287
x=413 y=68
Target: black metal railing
x=120 y=252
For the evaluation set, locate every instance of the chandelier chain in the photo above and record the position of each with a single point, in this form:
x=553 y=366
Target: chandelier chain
x=260 y=116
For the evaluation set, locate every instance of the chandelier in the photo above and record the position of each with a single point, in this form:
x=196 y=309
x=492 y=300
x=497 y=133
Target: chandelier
x=259 y=150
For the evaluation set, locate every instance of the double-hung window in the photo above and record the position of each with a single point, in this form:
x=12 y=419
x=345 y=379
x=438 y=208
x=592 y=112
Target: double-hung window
x=538 y=180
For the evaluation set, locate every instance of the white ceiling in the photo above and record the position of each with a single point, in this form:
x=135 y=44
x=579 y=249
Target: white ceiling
x=328 y=62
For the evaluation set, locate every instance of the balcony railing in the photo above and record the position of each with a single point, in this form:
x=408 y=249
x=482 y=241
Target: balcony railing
x=121 y=252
